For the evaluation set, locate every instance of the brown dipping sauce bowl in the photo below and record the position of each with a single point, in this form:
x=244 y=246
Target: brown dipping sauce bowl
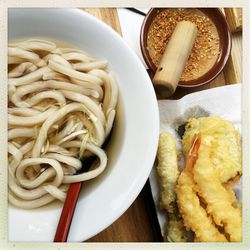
x=225 y=43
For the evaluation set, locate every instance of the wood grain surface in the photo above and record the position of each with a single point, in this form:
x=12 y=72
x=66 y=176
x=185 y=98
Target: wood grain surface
x=134 y=224
x=232 y=71
x=108 y=15
x=234 y=18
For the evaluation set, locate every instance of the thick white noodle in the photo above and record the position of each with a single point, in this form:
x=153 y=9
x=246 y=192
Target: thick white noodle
x=72 y=73
x=23 y=111
x=62 y=105
x=21 y=91
x=58 y=59
x=31 y=120
x=88 y=102
x=56 y=116
x=110 y=89
x=24 y=54
x=35 y=44
x=29 y=78
x=85 y=67
x=23 y=68
x=92 y=173
x=55 y=76
x=70 y=55
x=15 y=60
x=21 y=132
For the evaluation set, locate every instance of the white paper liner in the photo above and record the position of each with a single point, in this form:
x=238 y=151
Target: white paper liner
x=222 y=101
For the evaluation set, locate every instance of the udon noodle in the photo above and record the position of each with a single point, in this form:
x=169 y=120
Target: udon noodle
x=61 y=109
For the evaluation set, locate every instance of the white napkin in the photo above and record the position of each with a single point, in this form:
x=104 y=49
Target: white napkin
x=222 y=101
x=131 y=27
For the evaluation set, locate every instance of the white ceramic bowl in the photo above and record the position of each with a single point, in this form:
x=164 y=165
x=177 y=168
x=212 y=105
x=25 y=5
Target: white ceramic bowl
x=134 y=140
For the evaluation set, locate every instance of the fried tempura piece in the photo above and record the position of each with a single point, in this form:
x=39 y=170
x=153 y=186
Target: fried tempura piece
x=219 y=200
x=168 y=173
x=175 y=230
x=167 y=170
x=234 y=201
x=193 y=214
x=225 y=144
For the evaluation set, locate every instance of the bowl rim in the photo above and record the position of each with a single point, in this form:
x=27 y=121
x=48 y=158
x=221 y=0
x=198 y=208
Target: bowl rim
x=225 y=45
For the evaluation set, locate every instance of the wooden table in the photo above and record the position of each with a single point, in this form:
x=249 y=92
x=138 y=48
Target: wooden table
x=134 y=225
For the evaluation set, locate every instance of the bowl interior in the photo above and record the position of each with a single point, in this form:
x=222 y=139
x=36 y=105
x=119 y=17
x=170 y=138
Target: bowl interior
x=220 y=23
x=103 y=200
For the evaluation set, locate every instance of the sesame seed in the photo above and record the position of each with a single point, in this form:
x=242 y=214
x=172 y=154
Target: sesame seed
x=206 y=47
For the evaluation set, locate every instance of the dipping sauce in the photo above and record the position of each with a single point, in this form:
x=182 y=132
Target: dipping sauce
x=206 y=48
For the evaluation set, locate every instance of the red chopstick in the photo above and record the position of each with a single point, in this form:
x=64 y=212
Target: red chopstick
x=63 y=227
